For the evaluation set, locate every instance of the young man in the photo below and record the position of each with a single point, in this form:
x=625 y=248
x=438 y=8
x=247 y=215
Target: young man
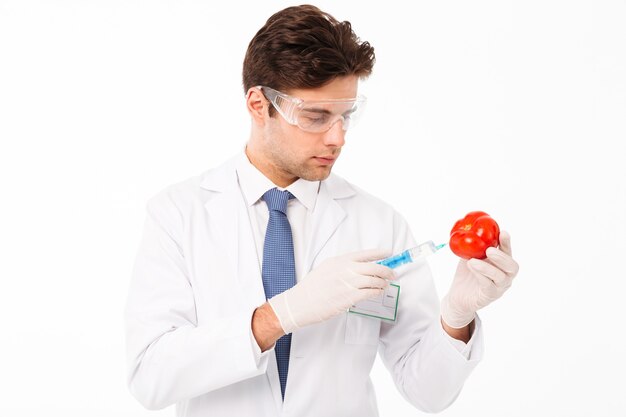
x=240 y=291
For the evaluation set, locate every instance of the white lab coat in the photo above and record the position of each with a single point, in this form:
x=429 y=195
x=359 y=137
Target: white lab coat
x=196 y=283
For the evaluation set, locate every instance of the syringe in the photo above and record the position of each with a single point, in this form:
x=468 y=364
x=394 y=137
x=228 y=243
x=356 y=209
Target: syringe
x=411 y=255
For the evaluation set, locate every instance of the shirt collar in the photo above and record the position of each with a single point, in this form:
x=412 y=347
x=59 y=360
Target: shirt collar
x=254 y=184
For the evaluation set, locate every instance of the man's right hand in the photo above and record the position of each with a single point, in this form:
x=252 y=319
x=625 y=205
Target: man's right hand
x=331 y=288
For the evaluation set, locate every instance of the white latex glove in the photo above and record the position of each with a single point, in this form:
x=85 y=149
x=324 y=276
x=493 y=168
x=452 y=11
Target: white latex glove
x=478 y=283
x=331 y=288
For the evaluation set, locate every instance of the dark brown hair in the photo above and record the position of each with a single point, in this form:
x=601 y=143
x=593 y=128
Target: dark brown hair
x=304 y=47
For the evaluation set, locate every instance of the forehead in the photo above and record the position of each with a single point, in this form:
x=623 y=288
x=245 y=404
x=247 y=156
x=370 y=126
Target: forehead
x=340 y=87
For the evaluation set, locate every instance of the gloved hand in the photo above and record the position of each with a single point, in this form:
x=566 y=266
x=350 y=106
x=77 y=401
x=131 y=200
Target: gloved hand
x=331 y=288
x=477 y=283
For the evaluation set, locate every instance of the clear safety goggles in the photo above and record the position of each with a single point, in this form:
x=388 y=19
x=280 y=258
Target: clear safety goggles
x=316 y=116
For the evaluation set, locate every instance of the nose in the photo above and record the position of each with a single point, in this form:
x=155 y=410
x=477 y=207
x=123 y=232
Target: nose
x=335 y=136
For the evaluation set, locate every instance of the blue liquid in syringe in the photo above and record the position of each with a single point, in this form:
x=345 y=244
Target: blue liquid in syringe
x=411 y=255
x=396 y=261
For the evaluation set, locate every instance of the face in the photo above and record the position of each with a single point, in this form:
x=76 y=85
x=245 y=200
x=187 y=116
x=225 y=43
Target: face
x=284 y=152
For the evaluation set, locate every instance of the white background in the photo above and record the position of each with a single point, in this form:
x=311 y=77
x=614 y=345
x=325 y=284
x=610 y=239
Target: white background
x=514 y=108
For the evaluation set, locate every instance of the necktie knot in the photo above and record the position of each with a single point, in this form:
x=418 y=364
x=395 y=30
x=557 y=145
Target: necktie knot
x=277 y=200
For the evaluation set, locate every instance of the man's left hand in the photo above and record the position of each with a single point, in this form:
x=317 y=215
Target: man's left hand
x=477 y=283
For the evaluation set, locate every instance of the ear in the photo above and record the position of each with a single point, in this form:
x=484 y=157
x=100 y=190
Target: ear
x=256 y=104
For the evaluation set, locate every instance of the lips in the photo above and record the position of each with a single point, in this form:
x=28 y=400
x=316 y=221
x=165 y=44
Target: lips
x=325 y=160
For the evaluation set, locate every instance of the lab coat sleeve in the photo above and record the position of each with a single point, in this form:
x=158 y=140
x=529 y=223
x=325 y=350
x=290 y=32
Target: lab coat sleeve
x=426 y=368
x=465 y=348
x=169 y=357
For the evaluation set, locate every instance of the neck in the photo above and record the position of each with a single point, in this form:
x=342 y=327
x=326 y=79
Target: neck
x=271 y=171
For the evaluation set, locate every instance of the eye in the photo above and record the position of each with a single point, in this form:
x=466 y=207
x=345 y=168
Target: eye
x=314 y=117
x=349 y=113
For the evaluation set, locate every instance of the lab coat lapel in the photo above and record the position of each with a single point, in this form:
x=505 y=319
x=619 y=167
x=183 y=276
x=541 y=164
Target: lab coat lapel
x=326 y=217
x=224 y=221
x=228 y=218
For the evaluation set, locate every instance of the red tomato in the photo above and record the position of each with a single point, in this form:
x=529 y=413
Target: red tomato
x=472 y=235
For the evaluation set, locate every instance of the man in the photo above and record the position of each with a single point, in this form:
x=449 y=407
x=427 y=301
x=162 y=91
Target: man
x=240 y=291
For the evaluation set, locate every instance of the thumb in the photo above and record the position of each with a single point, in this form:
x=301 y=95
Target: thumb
x=505 y=243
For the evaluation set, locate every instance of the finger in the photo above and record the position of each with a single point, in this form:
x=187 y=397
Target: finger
x=489 y=271
x=505 y=243
x=367 y=293
x=362 y=282
x=502 y=261
x=369 y=255
x=373 y=269
x=364 y=294
x=488 y=288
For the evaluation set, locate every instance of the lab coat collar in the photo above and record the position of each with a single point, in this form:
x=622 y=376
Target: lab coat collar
x=224 y=178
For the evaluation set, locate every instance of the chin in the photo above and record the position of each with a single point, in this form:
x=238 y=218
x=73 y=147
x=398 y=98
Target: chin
x=316 y=176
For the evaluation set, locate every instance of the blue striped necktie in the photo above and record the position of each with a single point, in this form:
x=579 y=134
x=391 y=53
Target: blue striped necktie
x=279 y=270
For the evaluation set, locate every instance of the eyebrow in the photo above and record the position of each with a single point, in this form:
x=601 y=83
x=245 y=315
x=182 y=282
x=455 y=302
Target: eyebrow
x=324 y=111
x=314 y=110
